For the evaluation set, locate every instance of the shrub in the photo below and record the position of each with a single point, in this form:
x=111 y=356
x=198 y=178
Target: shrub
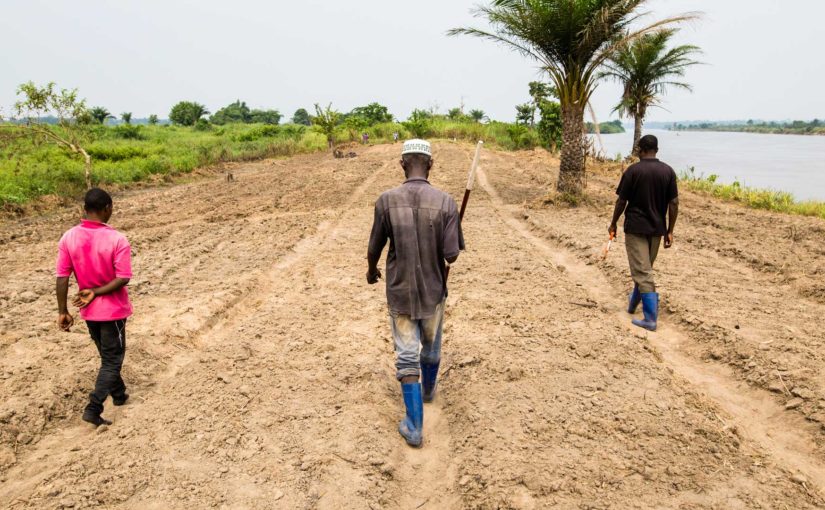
x=187 y=113
x=128 y=132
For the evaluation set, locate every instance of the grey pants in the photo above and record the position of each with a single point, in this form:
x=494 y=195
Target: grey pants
x=641 y=253
x=416 y=341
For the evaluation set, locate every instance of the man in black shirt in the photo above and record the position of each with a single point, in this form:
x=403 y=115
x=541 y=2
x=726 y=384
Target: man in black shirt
x=649 y=199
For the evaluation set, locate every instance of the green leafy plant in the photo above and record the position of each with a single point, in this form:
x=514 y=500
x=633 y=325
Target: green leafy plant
x=69 y=132
x=187 y=113
x=550 y=125
x=100 y=114
x=326 y=119
x=373 y=113
x=301 y=117
x=478 y=115
x=419 y=123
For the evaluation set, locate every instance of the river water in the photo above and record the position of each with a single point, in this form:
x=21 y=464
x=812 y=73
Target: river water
x=791 y=163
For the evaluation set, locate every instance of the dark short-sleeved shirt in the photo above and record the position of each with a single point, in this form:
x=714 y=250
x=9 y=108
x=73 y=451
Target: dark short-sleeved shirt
x=423 y=228
x=648 y=186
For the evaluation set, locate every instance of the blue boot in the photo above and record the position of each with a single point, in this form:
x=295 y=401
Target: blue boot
x=412 y=426
x=429 y=375
x=635 y=299
x=650 y=307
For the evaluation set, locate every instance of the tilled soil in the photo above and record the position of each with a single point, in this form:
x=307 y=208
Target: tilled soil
x=260 y=363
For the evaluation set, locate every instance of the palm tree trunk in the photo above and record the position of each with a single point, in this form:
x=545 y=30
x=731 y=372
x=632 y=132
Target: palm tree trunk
x=571 y=169
x=637 y=134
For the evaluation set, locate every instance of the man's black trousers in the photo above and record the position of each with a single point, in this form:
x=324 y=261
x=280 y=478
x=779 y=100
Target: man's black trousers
x=110 y=340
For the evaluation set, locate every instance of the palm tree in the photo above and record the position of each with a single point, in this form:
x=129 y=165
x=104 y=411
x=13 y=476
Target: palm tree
x=100 y=114
x=477 y=115
x=127 y=117
x=571 y=39
x=646 y=67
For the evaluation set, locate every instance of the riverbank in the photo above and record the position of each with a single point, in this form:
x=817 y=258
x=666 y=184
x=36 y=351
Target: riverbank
x=777 y=201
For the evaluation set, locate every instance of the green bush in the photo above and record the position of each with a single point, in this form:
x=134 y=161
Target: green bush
x=128 y=132
x=259 y=132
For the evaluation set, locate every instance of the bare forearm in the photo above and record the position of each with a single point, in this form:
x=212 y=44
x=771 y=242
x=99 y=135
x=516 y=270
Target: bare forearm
x=372 y=260
x=618 y=210
x=672 y=214
x=110 y=287
x=61 y=289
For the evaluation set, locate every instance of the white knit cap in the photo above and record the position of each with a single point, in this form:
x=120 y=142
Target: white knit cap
x=417 y=147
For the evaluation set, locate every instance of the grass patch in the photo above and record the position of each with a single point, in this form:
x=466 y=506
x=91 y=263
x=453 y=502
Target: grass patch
x=779 y=201
x=127 y=154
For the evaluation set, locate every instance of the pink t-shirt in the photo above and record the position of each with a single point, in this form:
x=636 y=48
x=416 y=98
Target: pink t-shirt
x=97 y=254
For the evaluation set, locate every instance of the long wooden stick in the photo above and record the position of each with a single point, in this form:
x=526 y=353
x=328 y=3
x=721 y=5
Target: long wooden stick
x=471 y=179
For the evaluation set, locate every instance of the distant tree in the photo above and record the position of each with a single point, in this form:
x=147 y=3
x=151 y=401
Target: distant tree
x=750 y=122
x=153 y=119
x=477 y=115
x=571 y=39
x=272 y=117
x=355 y=125
x=234 y=112
x=374 y=113
x=524 y=113
x=100 y=114
x=70 y=131
x=550 y=126
x=301 y=117
x=126 y=117
x=539 y=92
x=419 y=123
x=646 y=68
x=326 y=119
x=455 y=113
x=187 y=113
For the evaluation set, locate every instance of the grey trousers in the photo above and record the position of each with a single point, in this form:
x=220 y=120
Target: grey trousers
x=641 y=253
x=416 y=341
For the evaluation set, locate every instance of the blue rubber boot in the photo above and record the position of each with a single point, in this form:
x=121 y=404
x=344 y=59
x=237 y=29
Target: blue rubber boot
x=650 y=307
x=429 y=379
x=412 y=426
x=635 y=299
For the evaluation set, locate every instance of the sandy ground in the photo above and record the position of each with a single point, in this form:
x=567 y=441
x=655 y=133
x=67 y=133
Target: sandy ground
x=261 y=368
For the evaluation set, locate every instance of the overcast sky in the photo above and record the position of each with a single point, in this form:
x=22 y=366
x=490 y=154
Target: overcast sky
x=143 y=56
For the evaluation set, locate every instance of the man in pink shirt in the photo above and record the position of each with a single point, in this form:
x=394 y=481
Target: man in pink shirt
x=100 y=258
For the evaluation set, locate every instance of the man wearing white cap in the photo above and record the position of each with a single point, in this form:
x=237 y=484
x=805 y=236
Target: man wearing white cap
x=423 y=227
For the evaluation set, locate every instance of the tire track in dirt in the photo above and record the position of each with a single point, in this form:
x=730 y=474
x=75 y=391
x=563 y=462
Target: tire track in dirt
x=29 y=470
x=755 y=415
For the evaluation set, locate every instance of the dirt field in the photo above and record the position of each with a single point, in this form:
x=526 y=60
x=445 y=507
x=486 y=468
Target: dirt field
x=261 y=368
